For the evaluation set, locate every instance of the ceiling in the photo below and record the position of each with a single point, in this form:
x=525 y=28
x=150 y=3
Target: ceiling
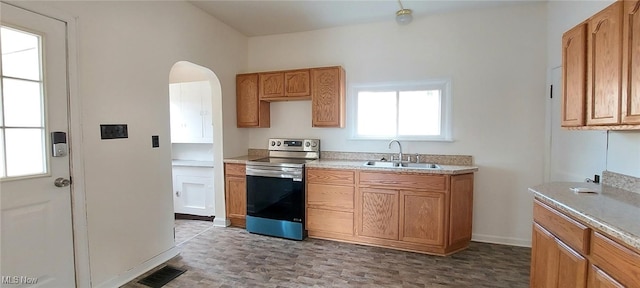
x=268 y=17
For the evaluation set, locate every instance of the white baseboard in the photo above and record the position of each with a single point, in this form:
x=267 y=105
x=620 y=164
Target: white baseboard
x=221 y=222
x=501 y=240
x=127 y=276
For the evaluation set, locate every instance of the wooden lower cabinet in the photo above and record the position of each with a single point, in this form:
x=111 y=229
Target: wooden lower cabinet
x=379 y=213
x=235 y=193
x=553 y=263
x=330 y=203
x=422 y=217
x=405 y=211
x=557 y=263
x=600 y=279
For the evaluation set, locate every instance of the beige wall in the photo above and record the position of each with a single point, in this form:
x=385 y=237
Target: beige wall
x=496 y=60
x=126 y=51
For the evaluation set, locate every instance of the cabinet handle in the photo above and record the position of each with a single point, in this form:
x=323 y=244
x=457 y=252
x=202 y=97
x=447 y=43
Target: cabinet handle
x=177 y=193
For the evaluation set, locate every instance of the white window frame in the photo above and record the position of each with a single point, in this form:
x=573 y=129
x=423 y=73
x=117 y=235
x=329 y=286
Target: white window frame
x=442 y=84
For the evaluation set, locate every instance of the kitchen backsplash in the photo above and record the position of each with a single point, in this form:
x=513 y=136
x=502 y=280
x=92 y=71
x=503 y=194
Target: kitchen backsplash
x=621 y=181
x=460 y=160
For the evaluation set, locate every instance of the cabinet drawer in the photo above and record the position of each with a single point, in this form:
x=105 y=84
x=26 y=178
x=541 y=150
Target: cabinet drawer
x=568 y=230
x=330 y=197
x=329 y=221
x=330 y=176
x=622 y=263
x=411 y=181
x=235 y=169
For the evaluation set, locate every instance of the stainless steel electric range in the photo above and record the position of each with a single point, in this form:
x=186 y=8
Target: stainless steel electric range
x=275 y=188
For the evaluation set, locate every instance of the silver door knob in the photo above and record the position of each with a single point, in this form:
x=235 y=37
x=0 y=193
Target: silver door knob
x=61 y=182
x=177 y=193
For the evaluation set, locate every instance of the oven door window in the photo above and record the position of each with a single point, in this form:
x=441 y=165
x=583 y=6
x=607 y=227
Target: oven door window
x=275 y=198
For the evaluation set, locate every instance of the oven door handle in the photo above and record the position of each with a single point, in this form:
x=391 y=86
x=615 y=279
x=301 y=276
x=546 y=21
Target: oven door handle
x=275 y=174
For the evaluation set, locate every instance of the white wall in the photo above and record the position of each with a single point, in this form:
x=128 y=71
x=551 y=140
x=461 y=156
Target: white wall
x=623 y=155
x=126 y=51
x=496 y=60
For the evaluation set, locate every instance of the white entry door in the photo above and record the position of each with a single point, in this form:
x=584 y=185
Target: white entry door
x=36 y=242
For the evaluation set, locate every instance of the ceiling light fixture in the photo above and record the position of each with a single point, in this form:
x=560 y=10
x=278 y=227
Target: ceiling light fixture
x=403 y=16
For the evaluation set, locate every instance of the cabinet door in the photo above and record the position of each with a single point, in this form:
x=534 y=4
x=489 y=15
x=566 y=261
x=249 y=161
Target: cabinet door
x=236 y=199
x=297 y=83
x=378 y=213
x=631 y=65
x=600 y=279
x=572 y=267
x=271 y=85
x=250 y=111
x=574 y=76
x=604 y=78
x=194 y=195
x=206 y=112
x=461 y=209
x=544 y=258
x=422 y=218
x=327 y=97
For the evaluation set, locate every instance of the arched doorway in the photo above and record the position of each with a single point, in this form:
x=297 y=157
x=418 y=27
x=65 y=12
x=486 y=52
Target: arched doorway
x=196 y=137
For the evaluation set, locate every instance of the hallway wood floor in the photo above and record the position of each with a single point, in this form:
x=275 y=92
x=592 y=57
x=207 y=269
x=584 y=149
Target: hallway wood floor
x=232 y=257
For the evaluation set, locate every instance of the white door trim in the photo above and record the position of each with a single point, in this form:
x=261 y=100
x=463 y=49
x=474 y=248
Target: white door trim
x=78 y=200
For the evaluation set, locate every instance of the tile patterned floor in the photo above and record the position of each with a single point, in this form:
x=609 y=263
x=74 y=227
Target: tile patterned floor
x=232 y=257
x=187 y=229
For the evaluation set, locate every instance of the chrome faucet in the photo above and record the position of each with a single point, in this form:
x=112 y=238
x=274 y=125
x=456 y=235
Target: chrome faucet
x=399 y=147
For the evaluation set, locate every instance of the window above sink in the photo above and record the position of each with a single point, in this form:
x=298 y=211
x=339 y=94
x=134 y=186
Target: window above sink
x=405 y=111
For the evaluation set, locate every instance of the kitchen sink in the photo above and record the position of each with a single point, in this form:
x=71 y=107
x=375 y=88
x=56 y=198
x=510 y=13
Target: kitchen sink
x=388 y=164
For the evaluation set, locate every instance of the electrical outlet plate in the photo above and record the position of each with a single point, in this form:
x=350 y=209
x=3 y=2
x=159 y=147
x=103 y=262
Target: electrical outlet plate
x=113 y=131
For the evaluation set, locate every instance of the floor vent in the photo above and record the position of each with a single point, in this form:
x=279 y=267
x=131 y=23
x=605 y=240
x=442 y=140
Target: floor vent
x=161 y=277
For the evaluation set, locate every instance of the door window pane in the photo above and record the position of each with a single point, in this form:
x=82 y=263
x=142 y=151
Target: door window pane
x=22 y=128
x=2 y=162
x=25 y=151
x=22 y=103
x=20 y=54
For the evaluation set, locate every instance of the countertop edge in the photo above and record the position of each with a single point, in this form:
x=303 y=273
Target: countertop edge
x=601 y=226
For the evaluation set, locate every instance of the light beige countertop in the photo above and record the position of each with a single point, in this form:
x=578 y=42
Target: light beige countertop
x=614 y=211
x=359 y=165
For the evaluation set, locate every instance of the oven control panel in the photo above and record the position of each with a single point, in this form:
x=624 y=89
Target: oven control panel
x=280 y=144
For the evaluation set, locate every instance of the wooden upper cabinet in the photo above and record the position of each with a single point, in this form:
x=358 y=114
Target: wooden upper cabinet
x=283 y=85
x=297 y=83
x=328 y=97
x=574 y=76
x=604 y=77
x=250 y=111
x=271 y=85
x=631 y=64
